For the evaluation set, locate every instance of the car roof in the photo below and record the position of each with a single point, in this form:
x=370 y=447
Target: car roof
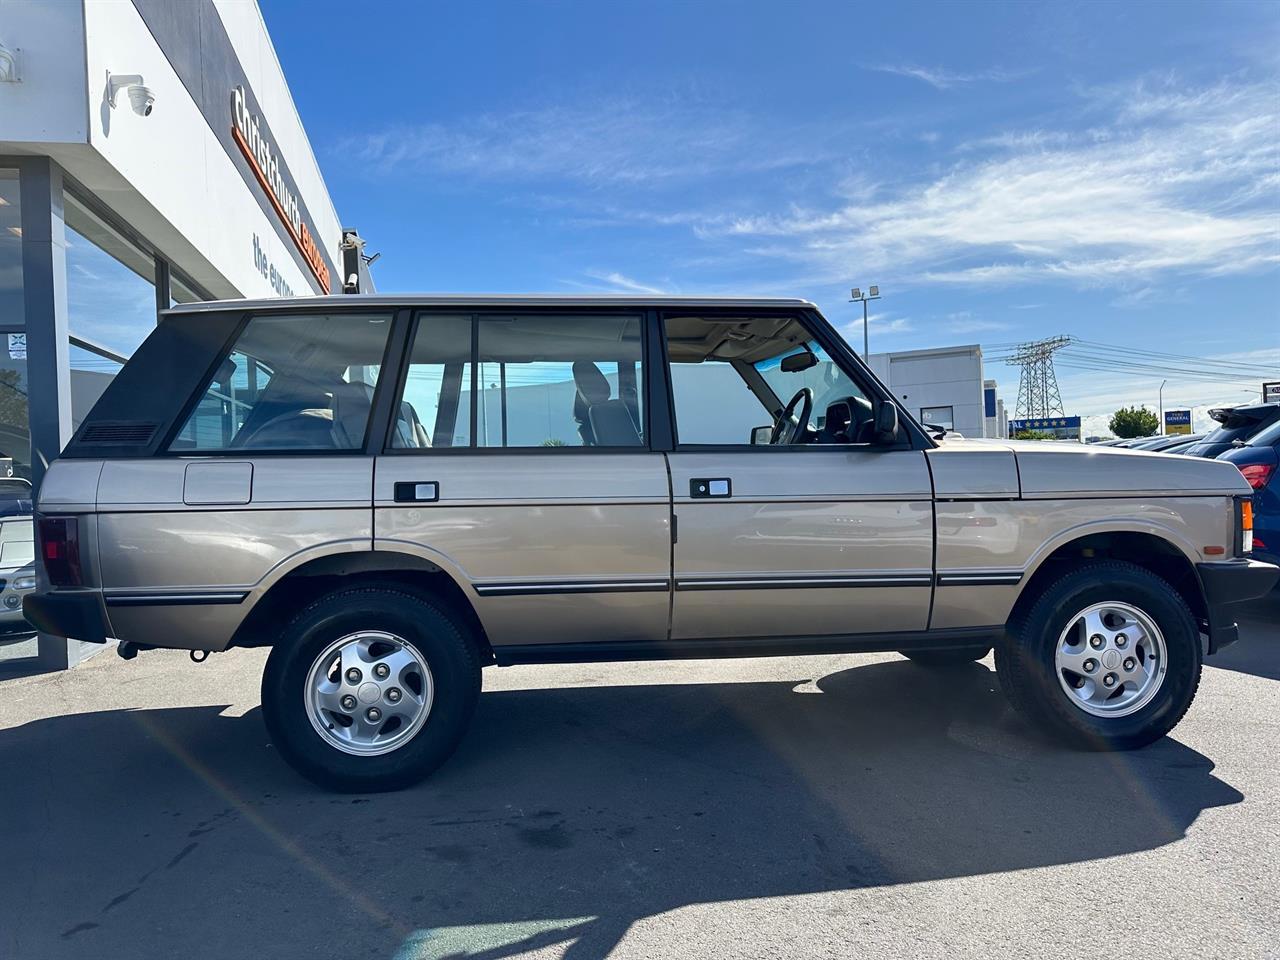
x=502 y=300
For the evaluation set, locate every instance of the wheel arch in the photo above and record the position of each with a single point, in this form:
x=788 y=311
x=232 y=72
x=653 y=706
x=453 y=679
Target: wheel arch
x=387 y=564
x=1154 y=550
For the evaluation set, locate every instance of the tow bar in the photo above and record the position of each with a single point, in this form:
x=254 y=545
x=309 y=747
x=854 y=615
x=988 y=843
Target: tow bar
x=127 y=650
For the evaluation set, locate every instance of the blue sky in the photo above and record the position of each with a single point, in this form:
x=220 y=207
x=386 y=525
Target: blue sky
x=1003 y=172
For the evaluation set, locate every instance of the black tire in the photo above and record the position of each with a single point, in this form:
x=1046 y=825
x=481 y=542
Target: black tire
x=438 y=635
x=942 y=659
x=1026 y=668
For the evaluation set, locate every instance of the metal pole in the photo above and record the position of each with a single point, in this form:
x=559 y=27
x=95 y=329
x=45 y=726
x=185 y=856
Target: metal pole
x=1160 y=403
x=866 y=348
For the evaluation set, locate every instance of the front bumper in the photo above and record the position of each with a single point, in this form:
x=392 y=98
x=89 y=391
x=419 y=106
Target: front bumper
x=77 y=614
x=1228 y=582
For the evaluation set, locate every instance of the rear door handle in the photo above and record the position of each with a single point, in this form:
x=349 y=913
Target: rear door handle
x=415 y=491
x=710 y=488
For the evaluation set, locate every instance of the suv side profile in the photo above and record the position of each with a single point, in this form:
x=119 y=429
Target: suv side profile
x=392 y=492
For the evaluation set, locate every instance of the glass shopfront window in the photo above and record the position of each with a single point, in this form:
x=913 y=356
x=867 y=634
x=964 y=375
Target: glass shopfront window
x=111 y=296
x=17 y=547
x=10 y=250
x=15 y=436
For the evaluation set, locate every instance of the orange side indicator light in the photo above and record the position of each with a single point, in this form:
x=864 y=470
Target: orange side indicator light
x=1214 y=551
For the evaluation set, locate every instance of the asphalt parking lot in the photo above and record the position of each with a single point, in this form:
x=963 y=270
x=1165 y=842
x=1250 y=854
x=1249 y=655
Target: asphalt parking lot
x=845 y=806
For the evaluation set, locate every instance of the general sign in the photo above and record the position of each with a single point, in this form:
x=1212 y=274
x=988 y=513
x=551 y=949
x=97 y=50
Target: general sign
x=1271 y=392
x=1177 y=422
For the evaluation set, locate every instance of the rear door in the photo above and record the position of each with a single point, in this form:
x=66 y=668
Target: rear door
x=828 y=537
x=519 y=461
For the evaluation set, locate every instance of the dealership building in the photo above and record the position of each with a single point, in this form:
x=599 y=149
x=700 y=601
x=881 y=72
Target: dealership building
x=150 y=154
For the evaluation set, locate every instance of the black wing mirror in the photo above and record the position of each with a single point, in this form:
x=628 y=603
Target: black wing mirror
x=886 y=422
x=796 y=362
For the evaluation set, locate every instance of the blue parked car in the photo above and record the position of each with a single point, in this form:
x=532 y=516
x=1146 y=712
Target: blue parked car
x=1259 y=461
x=1238 y=423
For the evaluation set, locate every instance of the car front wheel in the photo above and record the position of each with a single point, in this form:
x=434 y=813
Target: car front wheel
x=370 y=688
x=1106 y=657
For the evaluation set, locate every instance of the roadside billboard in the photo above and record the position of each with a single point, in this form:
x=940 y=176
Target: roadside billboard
x=1177 y=422
x=1271 y=391
x=1060 y=428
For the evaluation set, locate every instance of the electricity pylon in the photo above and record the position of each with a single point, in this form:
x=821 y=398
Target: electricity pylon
x=1038 y=395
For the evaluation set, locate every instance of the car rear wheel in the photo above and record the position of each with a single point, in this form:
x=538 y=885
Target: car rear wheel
x=370 y=688
x=1106 y=657
x=954 y=657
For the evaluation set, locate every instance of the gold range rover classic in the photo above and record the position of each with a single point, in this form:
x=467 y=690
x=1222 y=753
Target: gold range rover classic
x=392 y=492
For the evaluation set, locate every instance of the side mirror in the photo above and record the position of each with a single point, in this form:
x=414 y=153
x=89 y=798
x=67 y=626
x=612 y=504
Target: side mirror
x=760 y=436
x=797 y=362
x=886 y=422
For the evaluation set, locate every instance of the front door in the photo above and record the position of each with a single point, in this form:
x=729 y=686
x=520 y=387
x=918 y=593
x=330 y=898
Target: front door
x=519 y=462
x=813 y=530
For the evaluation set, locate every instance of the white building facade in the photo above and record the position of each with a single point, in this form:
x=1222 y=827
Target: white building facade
x=942 y=386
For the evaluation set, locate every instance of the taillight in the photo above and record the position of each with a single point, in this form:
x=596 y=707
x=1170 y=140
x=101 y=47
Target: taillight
x=1245 y=521
x=60 y=551
x=1257 y=474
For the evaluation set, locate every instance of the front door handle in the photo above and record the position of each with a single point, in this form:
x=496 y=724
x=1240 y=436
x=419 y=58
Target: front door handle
x=710 y=488
x=414 y=491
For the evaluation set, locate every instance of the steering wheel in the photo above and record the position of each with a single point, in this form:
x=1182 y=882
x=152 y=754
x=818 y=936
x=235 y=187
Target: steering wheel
x=790 y=427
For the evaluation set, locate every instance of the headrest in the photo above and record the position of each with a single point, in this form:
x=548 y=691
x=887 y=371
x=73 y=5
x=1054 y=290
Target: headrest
x=351 y=404
x=591 y=383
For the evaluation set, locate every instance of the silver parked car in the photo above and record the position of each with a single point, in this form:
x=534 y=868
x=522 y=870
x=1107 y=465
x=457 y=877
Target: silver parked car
x=17 y=556
x=392 y=492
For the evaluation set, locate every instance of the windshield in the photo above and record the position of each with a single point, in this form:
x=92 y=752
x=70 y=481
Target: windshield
x=827 y=381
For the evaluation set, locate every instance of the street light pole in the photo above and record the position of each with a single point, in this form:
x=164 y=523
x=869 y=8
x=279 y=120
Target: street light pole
x=1160 y=394
x=873 y=293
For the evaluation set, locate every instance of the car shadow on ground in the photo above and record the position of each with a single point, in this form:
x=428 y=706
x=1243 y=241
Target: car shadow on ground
x=566 y=815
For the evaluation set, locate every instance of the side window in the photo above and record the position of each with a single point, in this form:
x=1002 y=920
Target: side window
x=731 y=378
x=291 y=383
x=435 y=408
x=559 y=382
x=539 y=381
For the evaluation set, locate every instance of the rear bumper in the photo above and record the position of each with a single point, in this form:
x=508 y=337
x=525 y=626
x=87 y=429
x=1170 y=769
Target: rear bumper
x=77 y=614
x=1228 y=582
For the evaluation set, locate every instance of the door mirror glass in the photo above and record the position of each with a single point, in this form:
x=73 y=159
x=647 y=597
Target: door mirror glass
x=886 y=422
x=760 y=436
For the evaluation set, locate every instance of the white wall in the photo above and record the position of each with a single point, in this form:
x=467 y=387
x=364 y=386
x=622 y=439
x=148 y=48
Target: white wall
x=48 y=106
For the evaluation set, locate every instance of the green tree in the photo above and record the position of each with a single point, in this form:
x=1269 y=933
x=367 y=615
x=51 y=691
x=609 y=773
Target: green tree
x=1134 y=422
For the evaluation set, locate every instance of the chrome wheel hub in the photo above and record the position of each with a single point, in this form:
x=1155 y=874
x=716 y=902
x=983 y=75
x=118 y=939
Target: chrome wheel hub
x=369 y=693
x=1111 y=659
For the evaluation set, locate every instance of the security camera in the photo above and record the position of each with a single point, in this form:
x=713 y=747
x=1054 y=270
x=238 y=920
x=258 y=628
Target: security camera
x=141 y=97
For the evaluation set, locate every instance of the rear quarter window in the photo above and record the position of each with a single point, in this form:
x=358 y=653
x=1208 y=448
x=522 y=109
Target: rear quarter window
x=291 y=382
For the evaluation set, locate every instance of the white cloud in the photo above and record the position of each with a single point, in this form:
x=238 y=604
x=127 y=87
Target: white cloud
x=619 y=282
x=878 y=324
x=1185 y=181
x=943 y=79
x=964 y=321
x=606 y=141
